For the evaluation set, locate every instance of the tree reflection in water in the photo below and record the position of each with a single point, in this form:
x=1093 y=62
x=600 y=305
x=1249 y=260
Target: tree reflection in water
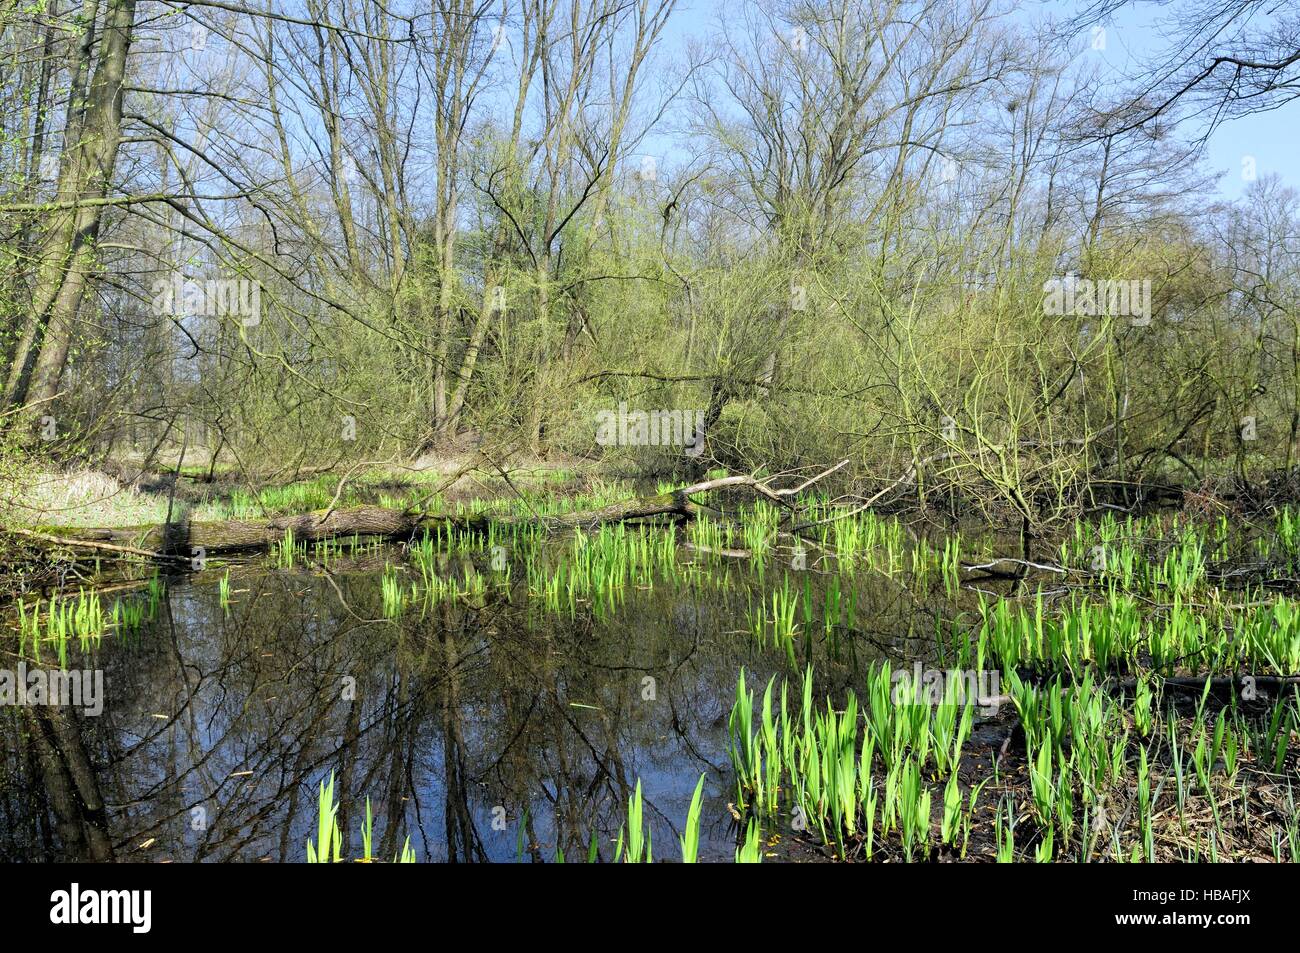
x=460 y=723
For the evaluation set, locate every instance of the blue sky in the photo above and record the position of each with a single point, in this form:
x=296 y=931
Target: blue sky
x=1133 y=39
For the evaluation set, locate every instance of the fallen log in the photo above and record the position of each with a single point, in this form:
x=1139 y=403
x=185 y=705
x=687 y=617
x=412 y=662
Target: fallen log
x=168 y=542
x=183 y=540
x=76 y=542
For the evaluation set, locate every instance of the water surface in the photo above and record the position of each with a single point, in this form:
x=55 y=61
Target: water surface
x=484 y=729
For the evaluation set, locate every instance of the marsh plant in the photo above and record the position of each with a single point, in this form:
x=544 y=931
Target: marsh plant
x=1141 y=690
x=330 y=844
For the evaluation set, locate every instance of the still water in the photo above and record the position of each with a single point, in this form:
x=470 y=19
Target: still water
x=483 y=729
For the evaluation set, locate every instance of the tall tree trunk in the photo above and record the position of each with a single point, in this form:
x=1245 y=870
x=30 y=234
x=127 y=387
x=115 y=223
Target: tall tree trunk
x=69 y=257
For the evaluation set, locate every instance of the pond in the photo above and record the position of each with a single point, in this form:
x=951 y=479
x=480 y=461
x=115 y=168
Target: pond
x=513 y=695
x=482 y=728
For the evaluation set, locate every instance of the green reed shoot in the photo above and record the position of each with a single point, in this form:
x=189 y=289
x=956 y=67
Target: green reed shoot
x=637 y=848
x=751 y=851
x=329 y=841
x=691 y=835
